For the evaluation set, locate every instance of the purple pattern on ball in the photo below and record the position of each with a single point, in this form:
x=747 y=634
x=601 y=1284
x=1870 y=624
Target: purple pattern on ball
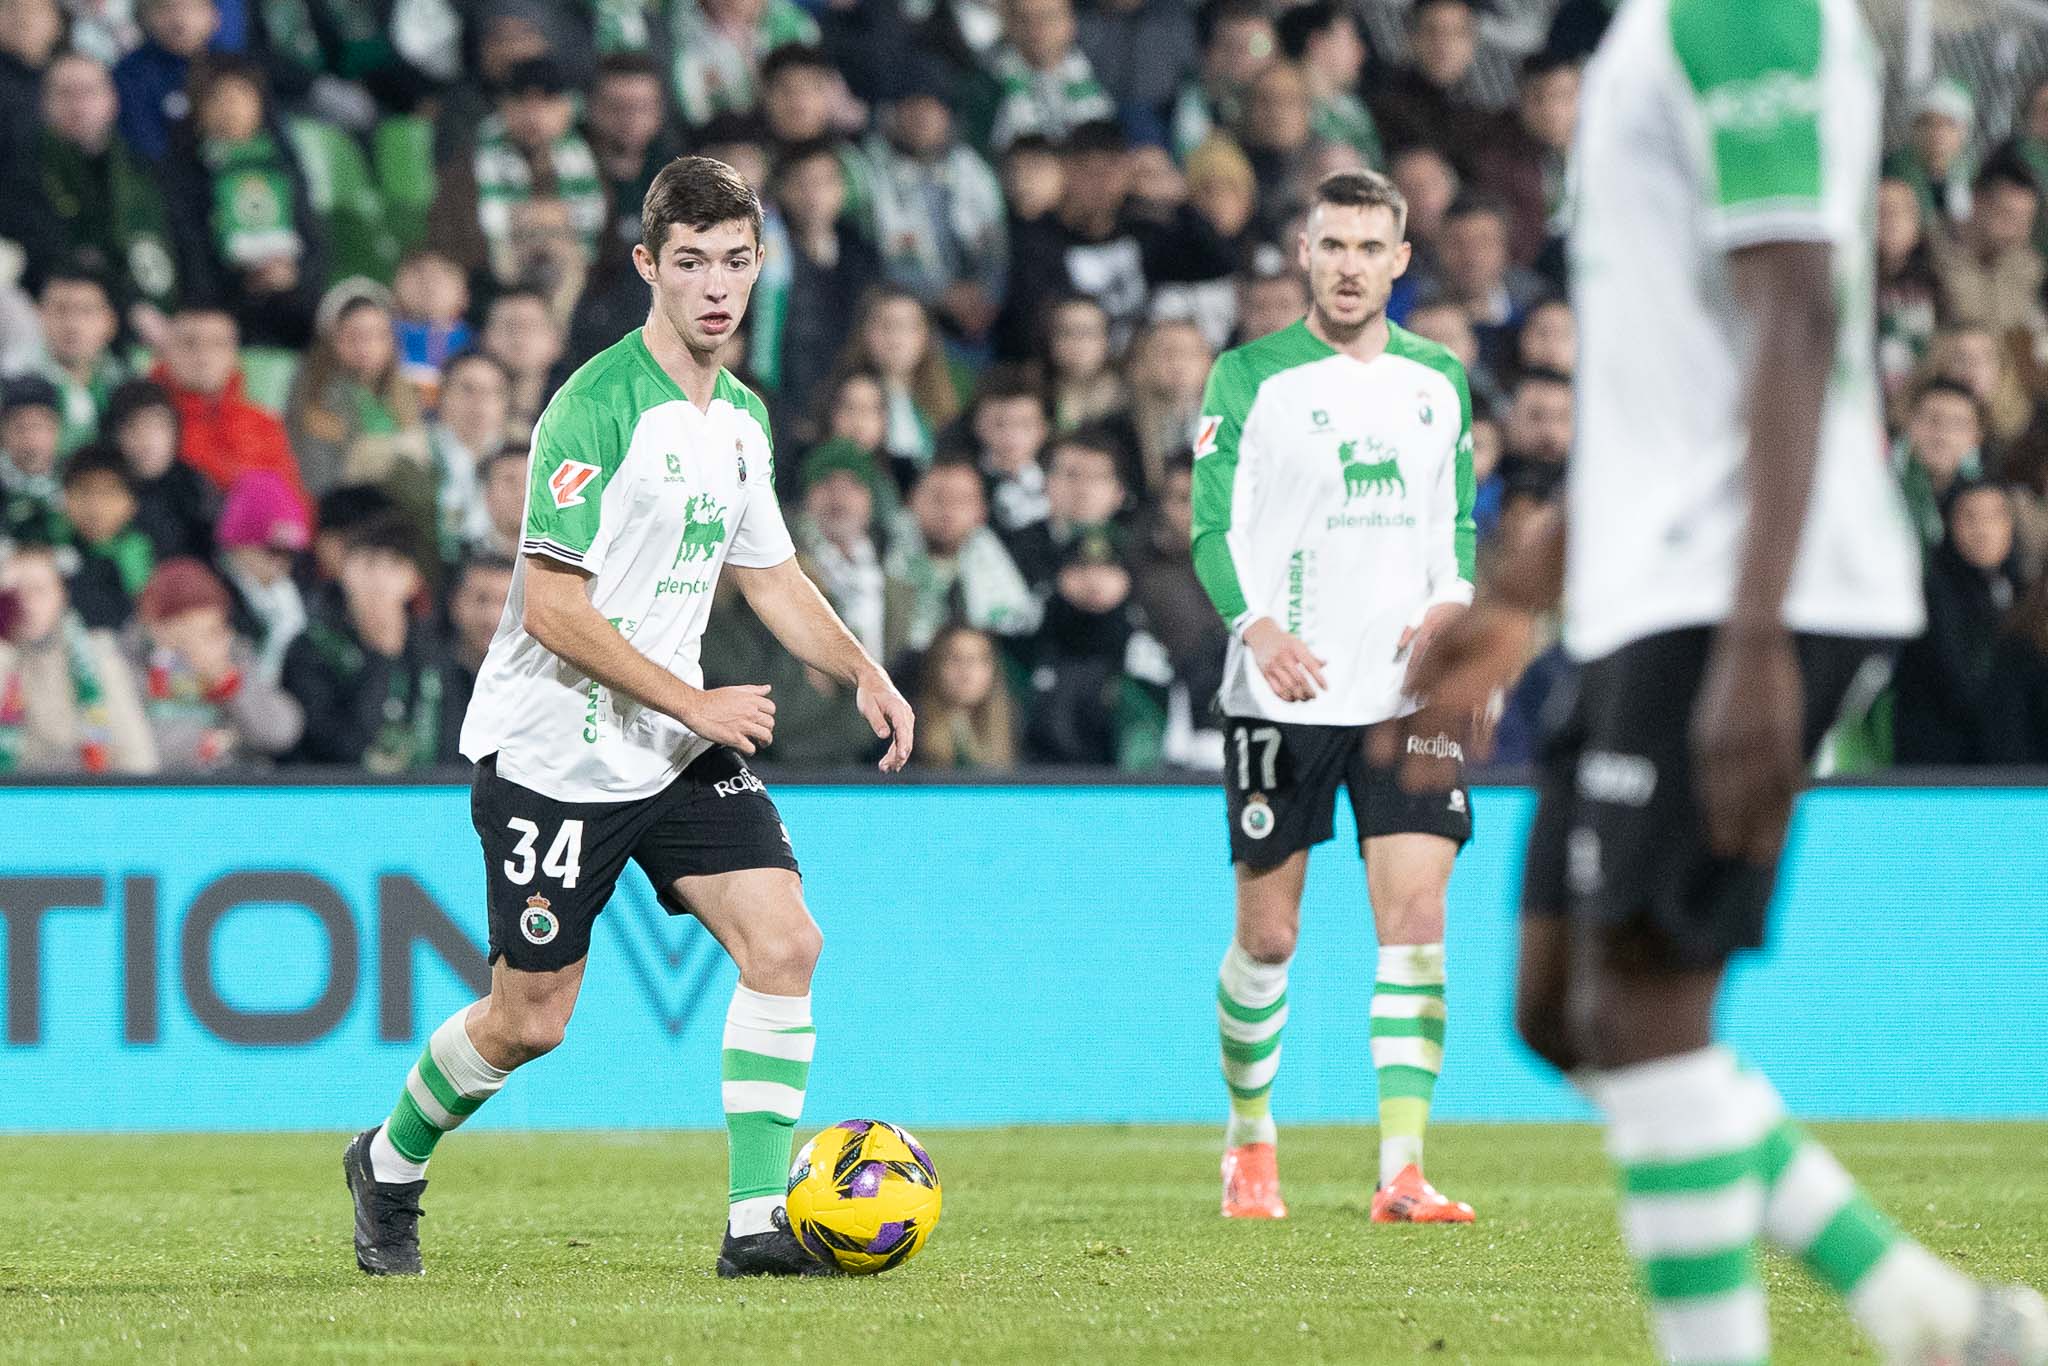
x=868 y=1180
x=857 y=1126
x=889 y=1236
x=818 y=1247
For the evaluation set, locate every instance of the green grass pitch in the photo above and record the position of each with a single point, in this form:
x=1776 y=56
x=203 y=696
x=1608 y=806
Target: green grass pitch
x=1057 y=1245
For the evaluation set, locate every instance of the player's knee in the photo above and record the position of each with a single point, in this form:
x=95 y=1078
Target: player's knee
x=537 y=1033
x=1413 y=918
x=785 y=958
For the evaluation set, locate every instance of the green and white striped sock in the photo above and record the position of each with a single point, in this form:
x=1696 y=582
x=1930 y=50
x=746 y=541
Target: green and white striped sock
x=765 y=1067
x=1896 y=1290
x=1407 y=1048
x=1251 y=1010
x=1683 y=1133
x=445 y=1087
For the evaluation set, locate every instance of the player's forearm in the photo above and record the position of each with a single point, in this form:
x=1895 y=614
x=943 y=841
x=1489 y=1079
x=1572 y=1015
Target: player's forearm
x=1787 y=292
x=1217 y=573
x=799 y=617
x=576 y=632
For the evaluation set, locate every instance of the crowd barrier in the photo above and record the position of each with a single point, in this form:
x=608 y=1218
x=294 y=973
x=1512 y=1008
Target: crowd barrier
x=271 y=957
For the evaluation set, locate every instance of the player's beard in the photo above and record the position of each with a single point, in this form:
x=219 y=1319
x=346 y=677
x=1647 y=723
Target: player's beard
x=1341 y=333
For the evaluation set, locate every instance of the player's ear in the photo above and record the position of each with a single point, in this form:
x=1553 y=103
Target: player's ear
x=643 y=261
x=1301 y=251
x=1402 y=253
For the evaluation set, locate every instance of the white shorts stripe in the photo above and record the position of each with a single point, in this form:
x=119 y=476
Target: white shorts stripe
x=1249 y=1031
x=1408 y=1053
x=1714 y=1328
x=1809 y=1192
x=1692 y=1224
x=750 y=1097
x=423 y=1096
x=770 y=1044
x=1388 y=1007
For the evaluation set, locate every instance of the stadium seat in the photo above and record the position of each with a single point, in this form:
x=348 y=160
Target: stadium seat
x=402 y=153
x=267 y=374
x=347 y=201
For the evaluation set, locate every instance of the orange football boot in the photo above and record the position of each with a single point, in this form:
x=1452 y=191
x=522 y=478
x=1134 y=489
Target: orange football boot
x=1251 y=1183
x=1409 y=1199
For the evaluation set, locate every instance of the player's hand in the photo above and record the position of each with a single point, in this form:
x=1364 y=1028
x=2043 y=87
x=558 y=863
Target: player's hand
x=1472 y=658
x=740 y=716
x=1415 y=640
x=890 y=715
x=1292 y=670
x=1746 y=727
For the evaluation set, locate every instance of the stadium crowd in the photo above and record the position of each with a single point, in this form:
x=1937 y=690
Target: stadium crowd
x=287 y=282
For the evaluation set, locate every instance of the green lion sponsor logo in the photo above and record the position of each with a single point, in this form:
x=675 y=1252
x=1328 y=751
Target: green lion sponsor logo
x=1364 y=478
x=703 y=530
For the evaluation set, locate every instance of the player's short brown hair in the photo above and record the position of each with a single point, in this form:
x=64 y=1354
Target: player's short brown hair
x=1363 y=190
x=699 y=193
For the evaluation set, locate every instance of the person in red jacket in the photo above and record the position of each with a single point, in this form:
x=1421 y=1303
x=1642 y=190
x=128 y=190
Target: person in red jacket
x=225 y=435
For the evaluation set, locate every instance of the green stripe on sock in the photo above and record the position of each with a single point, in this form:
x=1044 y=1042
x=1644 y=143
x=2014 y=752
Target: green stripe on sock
x=1248 y=1014
x=1435 y=989
x=1239 y=1051
x=410 y=1131
x=1850 y=1245
x=1247 y=1092
x=1415 y=1083
x=452 y=1100
x=738 y=1064
x=758 y=1147
x=1430 y=1027
x=1685 y=1278
x=1698 y=1174
x=1776 y=1151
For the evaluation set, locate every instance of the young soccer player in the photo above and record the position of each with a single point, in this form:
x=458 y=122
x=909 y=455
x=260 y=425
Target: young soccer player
x=1333 y=531
x=594 y=742
x=1738 y=554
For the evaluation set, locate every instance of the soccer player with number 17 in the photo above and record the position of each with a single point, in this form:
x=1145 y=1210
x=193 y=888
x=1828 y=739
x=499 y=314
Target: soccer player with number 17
x=1333 y=532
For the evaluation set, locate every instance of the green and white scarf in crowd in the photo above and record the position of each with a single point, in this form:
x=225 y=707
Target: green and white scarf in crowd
x=88 y=698
x=935 y=221
x=252 y=201
x=1343 y=118
x=714 y=74
x=505 y=180
x=1052 y=103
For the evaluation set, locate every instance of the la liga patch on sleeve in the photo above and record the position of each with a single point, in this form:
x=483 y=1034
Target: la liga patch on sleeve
x=565 y=485
x=1205 y=435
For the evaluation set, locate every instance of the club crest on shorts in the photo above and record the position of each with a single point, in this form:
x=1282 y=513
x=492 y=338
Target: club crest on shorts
x=537 y=922
x=1257 y=820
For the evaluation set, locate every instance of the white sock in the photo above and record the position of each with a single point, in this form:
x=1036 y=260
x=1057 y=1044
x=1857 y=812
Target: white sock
x=391 y=1166
x=1249 y=988
x=755 y=1214
x=768 y=1045
x=465 y=1080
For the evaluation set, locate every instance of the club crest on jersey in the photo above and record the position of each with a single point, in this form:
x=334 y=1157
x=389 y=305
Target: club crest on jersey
x=1206 y=433
x=703 y=530
x=739 y=453
x=566 y=484
x=537 y=922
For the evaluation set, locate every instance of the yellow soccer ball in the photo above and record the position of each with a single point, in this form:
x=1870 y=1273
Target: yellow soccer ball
x=863 y=1196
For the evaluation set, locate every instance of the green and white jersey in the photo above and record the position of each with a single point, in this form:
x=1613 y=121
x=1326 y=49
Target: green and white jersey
x=632 y=483
x=1707 y=126
x=1333 y=495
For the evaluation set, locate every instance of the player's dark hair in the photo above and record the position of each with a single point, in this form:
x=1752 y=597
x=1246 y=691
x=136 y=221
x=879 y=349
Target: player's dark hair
x=1363 y=190
x=696 y=192
x=102 y=457
x=794 y=57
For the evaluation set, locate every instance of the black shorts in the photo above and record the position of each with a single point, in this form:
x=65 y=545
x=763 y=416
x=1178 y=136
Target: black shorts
x=1281 y=782
x=1617 y=842
x=551 y=865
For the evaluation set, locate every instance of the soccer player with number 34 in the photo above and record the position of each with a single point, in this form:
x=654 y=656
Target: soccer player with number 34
x=1333 y=531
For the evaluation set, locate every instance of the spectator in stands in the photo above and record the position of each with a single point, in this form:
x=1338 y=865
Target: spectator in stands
x=1084 y=491
x=223 y=434
x=1042 y=81
x=1075 y=358
x=505 y=33
x=93 y=203
x=1942 y=445
x=2017 y=704
x=521 y=334
x=1908 y=292
x=372 y=679
x=1475 y=272
x=1083 y=698
x=1448 y=325
x=33 y=506
x=1429 y=99
x=1489 y=488
x=263 y=527
x=1537 y=441
x=801 y=95
x=205 y=697
x=68 y=698
x=837 y=536
x=429 y=307
x=504 y=501
x=354 y=417
x=1176 y=609
x=1168 y=368
x=1522 y=163
x=527 y=197
x=79 y=324
x=625 y=121
x=1548 y=339
x=894 y=337
x=1936 y=160
x=114 y=557
x=2030 y=145
x=1430 y=184
x=444 y=495
x=805 y=304
x=2025 y=470
x=1268 y=300
x=1322 y=37
x=1276 y=133
x=343 y=61
x=1977 y=358
x=174 y=504
x=1096 y=244
x=1223 y=189
x=932 y=206
x=1034 y=180
x=1987 y=268
x=816 y=723
x=1008 y=427
x=1138 y=48
x=956 y=564
x=151 y=79
x=854 y=408
x=1238 y=41
x=30 y=31
x=476 y=605
x=1941 y=714
x=232 y=168
x=719 y=46
x=968 y=719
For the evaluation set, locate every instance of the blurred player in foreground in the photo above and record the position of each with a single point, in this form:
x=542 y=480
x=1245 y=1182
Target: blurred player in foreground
x=1738 y=554
x=594 y=742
